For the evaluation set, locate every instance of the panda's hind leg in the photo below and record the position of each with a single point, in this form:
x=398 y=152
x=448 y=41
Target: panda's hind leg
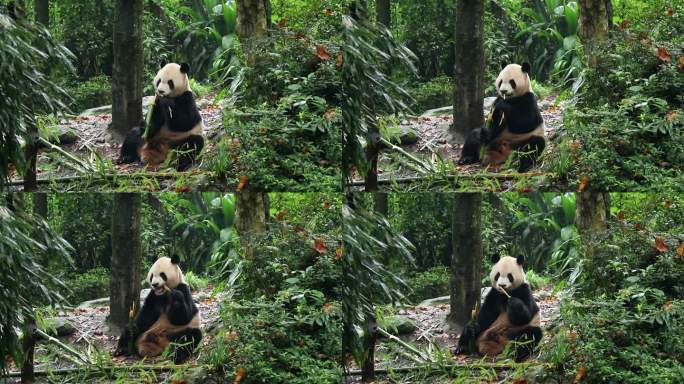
x=530 y=152
x=188 y=151
x=186 y=340
x=526 y=341
x=130 y=149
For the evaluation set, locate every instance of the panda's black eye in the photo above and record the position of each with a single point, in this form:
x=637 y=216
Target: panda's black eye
x=158 y=81
x=512 y=83
x=171 y=84
x=151 y=278
x=497 y=276
x=499 y=86
x=163 y=275
x=510 y=277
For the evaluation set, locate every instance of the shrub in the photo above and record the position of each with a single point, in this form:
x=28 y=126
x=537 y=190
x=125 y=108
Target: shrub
x=435 y=93
x=89 y=285
x=291 y=338
x=91 y=93
x=428 y=284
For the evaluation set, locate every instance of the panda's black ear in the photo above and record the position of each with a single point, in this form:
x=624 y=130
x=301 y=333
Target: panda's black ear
x=526 y=67
x=162 y=64
x=175 y=259
x=520 y=259
x=503 y=64
x=495 y=258
x=185 y=68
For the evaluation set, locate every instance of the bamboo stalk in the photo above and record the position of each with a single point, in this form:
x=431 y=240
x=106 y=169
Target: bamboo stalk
x=65 y=347
x=111 y=368
x=403 y=344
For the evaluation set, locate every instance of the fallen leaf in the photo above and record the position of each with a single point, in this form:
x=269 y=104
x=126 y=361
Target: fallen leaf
x=240 y=374
x=180 y=382
x=621 y=215
x=638 y=226
x=327 y=307
x=666 y=204
x=660 y=244
x=282 y=23
x=624 y=24
x=183 y=189
x=326 y=204
x=670 y=12
x=319 y=246
x=664 y=55
x=580 y=374
x=330 y=113
x=681 y=62
x=668 y=305
x=338 y=253
x=671 y=115
x=340 y=60
x=243 y=182
x=583 y=184
x=680 y=251
x=328 y=11
x=281 y=215
x=322 y=52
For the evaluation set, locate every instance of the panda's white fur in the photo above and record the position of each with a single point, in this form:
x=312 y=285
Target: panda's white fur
x=175 y=73
x=499 y=275
x=171 y=271
x=521 y=78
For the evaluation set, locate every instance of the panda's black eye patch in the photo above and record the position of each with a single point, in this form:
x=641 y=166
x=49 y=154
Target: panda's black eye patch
x=171 y=84
x=151 y=278
x=163 y=275
x=497 y=276
x=499 y=86
x=158 y=81
x=512 y=83
x=510 y=277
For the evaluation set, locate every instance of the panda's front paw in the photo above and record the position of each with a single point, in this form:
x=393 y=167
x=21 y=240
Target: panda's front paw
x=515 y=303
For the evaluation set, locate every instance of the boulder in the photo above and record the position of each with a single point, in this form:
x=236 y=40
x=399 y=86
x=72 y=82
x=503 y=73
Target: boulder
x=103 y=302
x=435 y=301
x=399 y=325
x=405 y=136
x=103 y=110
x=61 y=326
x=439 y=111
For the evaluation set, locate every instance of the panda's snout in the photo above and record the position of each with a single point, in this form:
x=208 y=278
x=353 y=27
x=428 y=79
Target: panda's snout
x=155 y=285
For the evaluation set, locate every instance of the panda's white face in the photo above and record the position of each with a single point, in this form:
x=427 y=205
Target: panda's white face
x=507 y=273
x=164 y=274
x=513 y=80
x=172 y=80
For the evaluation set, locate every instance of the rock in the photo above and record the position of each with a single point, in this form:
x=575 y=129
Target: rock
x=439 y=111
x=103 y=302
x=405 y=136
x=67 y=137
x=488 y=103
x=60 y=326
x=103 y=110
x=399 y=325
x=203 y=103
x=200 y=296
x=435 y=301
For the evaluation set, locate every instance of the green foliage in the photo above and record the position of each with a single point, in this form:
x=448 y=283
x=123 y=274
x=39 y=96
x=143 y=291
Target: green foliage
x=434 y=93
x=195 y=282
x=91 y=284
x=292 y=337
x=428 y=284
x=26 y=90
x=534 y=280
x=27 y=243
x=93 y=92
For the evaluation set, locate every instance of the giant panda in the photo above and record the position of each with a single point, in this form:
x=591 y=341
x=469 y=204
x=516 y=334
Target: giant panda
x=502 y=319
x=176 y=122
x=168 y=315
x=516 y=123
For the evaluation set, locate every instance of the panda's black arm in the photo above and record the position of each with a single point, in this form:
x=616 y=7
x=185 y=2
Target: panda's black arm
x=521 y=306
x=489 y=311
x=160 y=116
x=524 y=115
x=498 y=124
x=182 y=307
x=148 y=314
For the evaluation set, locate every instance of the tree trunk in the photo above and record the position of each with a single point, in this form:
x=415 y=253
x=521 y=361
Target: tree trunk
x=251 y=215
x=42 y=12
x=466 y=260
x=381 y=203
x=591 y=218
x=126 y=259
x=593 y=28
x=253 y=23
x=370 y=335
x=468 y=70
x=31 y=155
x=383 y=12
x=40 y=204
x=127 y=69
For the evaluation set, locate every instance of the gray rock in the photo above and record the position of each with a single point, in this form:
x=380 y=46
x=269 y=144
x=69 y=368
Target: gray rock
x=60 y=326
x=405 y=136
x=103 y=110
x=439 y=111
x=203 y=103
x=488 y=103
x=399 y=325
x=435 y=301
x=103 y=302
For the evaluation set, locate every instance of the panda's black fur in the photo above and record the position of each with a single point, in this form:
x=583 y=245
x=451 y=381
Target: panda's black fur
x=180 y=115
x=516 y=122
x=501 y=320
x=176 y=306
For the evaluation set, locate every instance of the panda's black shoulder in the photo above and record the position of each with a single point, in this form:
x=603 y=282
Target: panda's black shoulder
x=185 y=113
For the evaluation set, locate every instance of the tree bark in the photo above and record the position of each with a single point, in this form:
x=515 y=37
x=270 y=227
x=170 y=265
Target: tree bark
x=253 y=23
x=591 y=218
x=593 y=28
x=383 y=12
x=40 y=204
x=466 y=260
x=468 y=70
x=251 y=215
x=126 y=259
x=127 y=69
x=41 y=8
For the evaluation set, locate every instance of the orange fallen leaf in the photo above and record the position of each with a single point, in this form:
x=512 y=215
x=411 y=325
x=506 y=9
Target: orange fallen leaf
x=340 y=60
x=671 y=116
x=328 y=11
x=670 y=12
x=660 y=244
x=624 y=24
x=240 y=374
x=282 y=23
x=319 y=246
x=327 y=307
x=680 y=251
x=664 y=55
x=580 y=374
x=584 y=183
x=326 y=204
x=243 y=182
x=330 y=113
x=666 y=204
x=322 y=52
x=668 y=305
x=621 y=215
x=180 y=382
x=281 y=215
x=338 y=253
x=681 y=62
